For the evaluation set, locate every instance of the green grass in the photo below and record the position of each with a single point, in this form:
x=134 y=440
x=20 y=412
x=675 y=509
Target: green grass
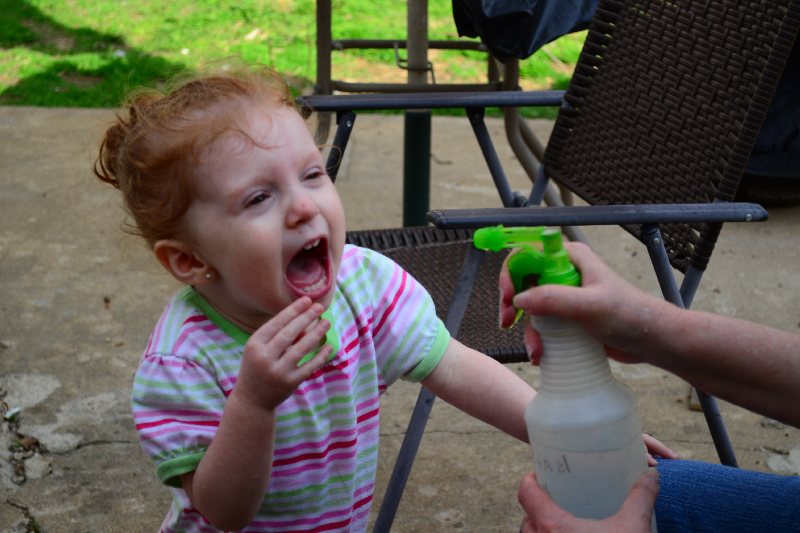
x=90 y=53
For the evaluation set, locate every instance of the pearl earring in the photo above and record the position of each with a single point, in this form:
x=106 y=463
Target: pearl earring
x=209 y=275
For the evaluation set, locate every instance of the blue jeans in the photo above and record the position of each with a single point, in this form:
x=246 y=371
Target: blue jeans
x=697 y=497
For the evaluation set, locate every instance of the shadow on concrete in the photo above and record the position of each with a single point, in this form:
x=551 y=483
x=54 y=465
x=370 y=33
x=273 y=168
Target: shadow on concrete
x=86 y=81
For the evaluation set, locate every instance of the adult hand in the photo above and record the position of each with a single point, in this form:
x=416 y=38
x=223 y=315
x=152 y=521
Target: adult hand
x=609 y=308
x=543 y=515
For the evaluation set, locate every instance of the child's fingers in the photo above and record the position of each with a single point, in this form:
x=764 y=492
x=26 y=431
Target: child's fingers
x=656 y=447
x=284 y=329
x=269 y=330
x=310 y=340
x=311 y=366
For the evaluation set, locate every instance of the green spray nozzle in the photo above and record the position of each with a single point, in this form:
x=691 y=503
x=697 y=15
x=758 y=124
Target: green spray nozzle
x=501 y=238
x=540 y=257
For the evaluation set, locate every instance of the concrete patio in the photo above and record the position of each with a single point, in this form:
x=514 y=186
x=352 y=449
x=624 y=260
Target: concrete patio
x=78 y=298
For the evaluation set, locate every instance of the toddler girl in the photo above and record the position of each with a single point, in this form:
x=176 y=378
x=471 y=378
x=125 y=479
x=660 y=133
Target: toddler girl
x=224 y=182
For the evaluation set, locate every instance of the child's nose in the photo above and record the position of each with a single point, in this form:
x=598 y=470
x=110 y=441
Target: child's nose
x=302 y=208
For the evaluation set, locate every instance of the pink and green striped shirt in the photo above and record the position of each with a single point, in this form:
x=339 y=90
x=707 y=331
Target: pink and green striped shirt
x=326 y=444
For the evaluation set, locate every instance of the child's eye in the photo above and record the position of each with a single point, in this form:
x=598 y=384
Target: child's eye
x=256 y=199
x=315 y=175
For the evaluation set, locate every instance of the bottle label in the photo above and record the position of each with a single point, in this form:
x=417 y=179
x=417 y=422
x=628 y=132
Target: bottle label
x=590 y=484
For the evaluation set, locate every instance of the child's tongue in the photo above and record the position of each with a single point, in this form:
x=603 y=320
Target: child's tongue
x=306 y=271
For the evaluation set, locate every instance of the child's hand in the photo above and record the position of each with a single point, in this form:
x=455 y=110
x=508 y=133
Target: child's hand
x=269 y=372
x=656 y=448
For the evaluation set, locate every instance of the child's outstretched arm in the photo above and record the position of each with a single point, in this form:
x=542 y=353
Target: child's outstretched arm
x=489 y=391
x=482 y=388
x=230 y=481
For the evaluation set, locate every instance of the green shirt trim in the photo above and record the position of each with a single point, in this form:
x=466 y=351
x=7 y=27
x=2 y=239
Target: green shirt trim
x=193 y=298
x=435 y=354
x=170 y=472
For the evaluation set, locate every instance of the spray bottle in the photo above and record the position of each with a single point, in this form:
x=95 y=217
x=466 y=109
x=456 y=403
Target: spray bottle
x=582 y=425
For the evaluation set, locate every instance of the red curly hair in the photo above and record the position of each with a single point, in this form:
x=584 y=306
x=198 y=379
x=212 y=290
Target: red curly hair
x=150 y=154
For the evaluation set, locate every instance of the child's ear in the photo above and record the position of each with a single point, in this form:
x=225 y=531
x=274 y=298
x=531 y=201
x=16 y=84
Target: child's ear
x=180 y=261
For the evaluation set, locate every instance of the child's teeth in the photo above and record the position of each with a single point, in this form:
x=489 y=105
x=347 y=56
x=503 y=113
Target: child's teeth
x=315 y=287
x=312 y=245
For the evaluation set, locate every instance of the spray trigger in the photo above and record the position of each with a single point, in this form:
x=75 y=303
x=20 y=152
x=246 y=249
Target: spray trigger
x=540 y=257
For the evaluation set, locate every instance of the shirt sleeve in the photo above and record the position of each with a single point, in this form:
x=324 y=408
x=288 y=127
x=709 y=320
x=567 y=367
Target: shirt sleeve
x=177 y=406
x=410 y=339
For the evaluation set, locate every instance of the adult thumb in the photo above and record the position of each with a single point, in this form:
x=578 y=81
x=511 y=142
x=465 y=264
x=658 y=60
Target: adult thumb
x=642 y=497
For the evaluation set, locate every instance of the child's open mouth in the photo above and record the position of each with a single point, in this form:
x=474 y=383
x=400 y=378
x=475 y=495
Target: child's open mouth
x=308 y=273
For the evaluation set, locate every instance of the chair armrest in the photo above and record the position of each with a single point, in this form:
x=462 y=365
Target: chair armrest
x=598 y=215
x=431 y=100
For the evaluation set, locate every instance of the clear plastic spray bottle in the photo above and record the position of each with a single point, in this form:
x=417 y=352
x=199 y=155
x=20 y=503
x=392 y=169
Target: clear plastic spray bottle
x=582 y=424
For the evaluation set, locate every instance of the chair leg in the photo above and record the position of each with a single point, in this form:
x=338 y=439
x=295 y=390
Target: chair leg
x=651 y=236
x=716 y=425
x=404 y=461
x=719 y=434
x=501 y=183
x=345 y=121
x=422 y=409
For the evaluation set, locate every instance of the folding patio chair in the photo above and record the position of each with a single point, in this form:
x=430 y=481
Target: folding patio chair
x=658 y=122
x=654 y=133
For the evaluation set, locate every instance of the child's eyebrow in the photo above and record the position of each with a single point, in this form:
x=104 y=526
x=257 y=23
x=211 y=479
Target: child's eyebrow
x=233 y=198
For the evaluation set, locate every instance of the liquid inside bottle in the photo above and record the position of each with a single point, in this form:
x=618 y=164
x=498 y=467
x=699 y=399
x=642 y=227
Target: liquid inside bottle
x=583 y=427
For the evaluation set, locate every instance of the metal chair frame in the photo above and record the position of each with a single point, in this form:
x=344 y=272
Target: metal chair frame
x=569 y=217
x=769 y=39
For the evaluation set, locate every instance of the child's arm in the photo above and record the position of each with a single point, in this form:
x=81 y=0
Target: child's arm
x=489 y=391
x=482 y=388
x=231 y=479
